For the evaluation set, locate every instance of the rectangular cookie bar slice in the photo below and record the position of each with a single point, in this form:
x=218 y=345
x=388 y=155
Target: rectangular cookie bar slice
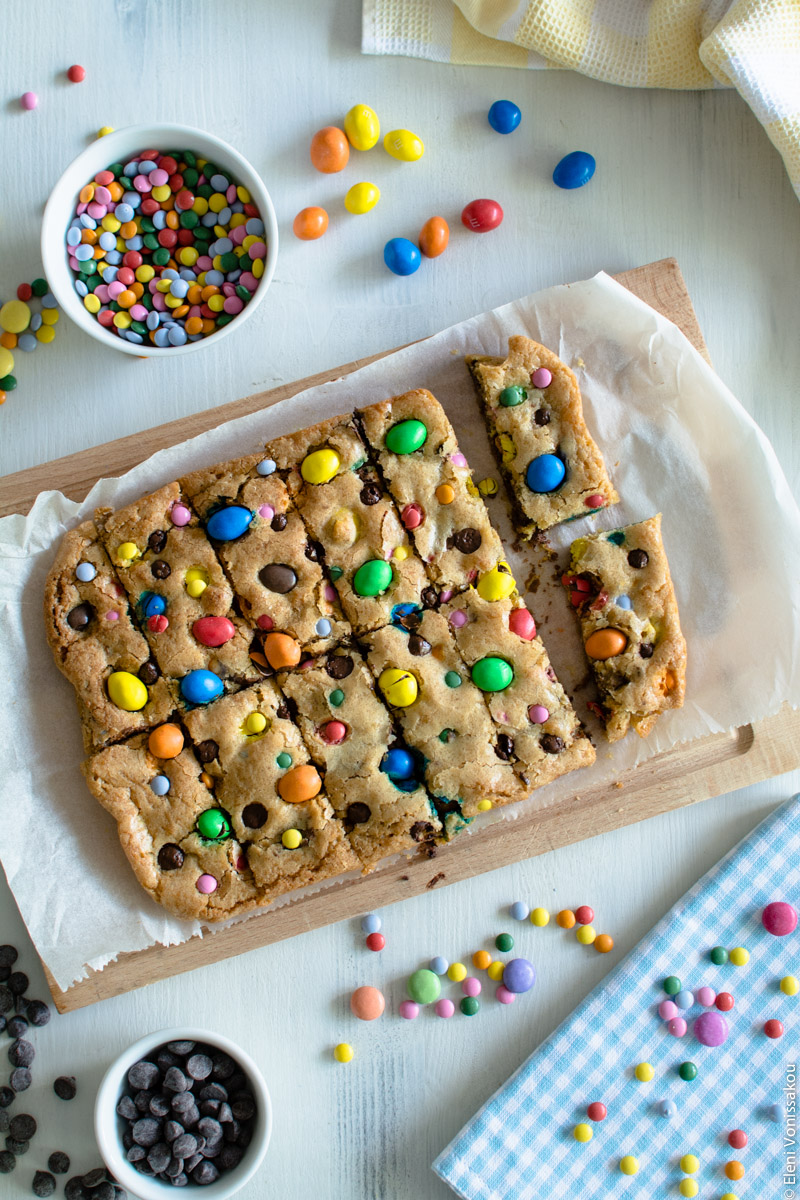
x=174 y=579
x=620 y=584
x=153 y=787
x=90 y=631
x=273 y=567
x=349 y=734
x=347 y=511
x=269 y=791
x=419 y=460
x=534 y=721
x=421 y=677
x=532 y=407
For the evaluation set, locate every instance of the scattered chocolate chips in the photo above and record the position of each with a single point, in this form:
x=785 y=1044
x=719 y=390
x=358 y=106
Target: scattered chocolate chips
x=20 y=1079
x=466 y=540
x=148 y=672
x=358 y=813
x=638 y=558
x=254 y=815
x=370 y=493
x=542 y=416
x=73 y=1189
x=44 y=1184
x=170 y=857
x=8 y=954
x=21 y=1053
x=646 y=650
x=17 y=1026
x=339 y=666
x=157 y=541
x=418 y=646
x=278 y=577
x=5 y=1120
x=37 y=1012
x=279 y=522
x=6 y=1097
x=23 y=1127
x=551 y=744
x=206 y=751
x=65 y=1087
x=92 y=1178
x=104 y=1191
x=7 y=1162
x=312 y=553
x=504 y=748
x=160 y=569
x=58 y=1162
x=422 y=831
x=430 y=597
x=17 y=1146
x=6 y=999
x=18 y=983
x=80 y=616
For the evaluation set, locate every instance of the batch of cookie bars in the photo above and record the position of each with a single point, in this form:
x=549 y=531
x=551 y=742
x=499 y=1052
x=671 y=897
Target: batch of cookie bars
x=294 y=664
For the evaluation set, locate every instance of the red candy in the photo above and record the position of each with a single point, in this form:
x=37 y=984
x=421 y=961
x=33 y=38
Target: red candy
x=773 y=1029
x=412 y=516
x=213 y=631
x=76 y=74
x=264 y=622
x=584 y=915
x=595 y=501
x=184 y=199
x=376 y=941
x=724 y=1002
x=132 y=259
x=157 y=624
x=104 y=178
x=737 y=1138
x=522 y=624
x=482 y=215
x=779 y=918
x=149 y=206
x=596 y=1111
x=125 y=275
x=24 y=291
x=333 y=732
x=167 y=163
x=167 y=238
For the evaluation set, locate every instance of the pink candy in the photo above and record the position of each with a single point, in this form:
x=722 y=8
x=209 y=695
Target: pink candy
x=667 y=1009
x=711 y=1029
x=138 y=312
x=445 y=1008
x=258 y=250
x=96 y=210
x=779 y=918
x=538 y=714
x=677 y=1027
x=102 y=195
x=458 y=460
x=233 y=305
x=246 y=279
x=504 y=995
x=333 y=732
x=266 y=511
x=471 y=986
x=157 y=178
x=408 y=1010
x=141 y=183
x=330 y=593
x=412 y=516
x=705 y=996
x=180 y=515
x=458 y=618
x=523 y=625
x=206 y=884
x=116 y=289
x=29 y=100
x=541 y=377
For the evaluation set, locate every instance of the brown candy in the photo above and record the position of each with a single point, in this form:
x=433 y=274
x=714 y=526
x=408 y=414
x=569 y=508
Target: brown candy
x=254 y=815
x=339 y=666
x=466 y=540
x=278 y=577
x=370 y=493
x=170 y=857
x=157 y=541
x=80 y=616
x=206 y=751
x=279 y=522
x=638 y=558
x=160 y=569
x=541 y=416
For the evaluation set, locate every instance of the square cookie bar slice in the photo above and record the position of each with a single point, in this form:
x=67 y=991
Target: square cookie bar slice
x=154 y=788
x=373 y=781
x=274 y=568
x=532 y=407
x=428 y=476
x=179 y=592
x=269 y=791
x=97 y=646
x=442 y=715
x=535 y=724
x=620 y=584
x=347 y=511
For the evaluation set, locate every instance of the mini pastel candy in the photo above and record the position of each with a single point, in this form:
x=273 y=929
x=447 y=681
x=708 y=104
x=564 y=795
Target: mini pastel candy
x=206 y=884
x=644 y=1072
x=538 y=714
x=330 y=150
x=434 y=237
x=371 y=923
x=362 y=127
x=773 y=1028
x=401 y=256
x=504 y=116
x=85 y=572
x=438 y=965
x=545 y=473
x=406 y=436
x=705 y=996
x=504 y=942
x=667 y=1108
x=470 y=1006
x=492 y=674
x=76 y=73
x=408 y=1010
x=471 y=986
x=497 y=584
x=519 y=910
x=504 y=995
x=737 y=1139
x=779 y=918
x=583 y=1132
x=684 y=999
x=718 y=956
x=201 y=687
x=689 y=1164
x=604 y=943
x=677 y=1027
x=574 y=170
x=687 y=1071
x=28 y=101
x=361 y=198
x=445 y=1008
x=790 y=985
x=711 y=1029
x=519 y=975
x=724 y=1002
x=423 y=986
x=159 y=785
x=667 y=1009
x=228 y=524
x=584 y=915
x=481 y=216
x=281 y=650
x=628 y=1165
x=376 y=942
x=367 y=1003
x=596 y=1111
x=403 y=145
x=565 y=919
x=456 y=971
x=540 y=917
x=127 y=691
x=291 y=839
x=511 y=396
x=739 y=956
x=541 y=378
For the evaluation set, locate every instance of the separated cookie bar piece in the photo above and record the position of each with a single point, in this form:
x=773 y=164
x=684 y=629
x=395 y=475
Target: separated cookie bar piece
x=273 y=567
x=96 y=644
x=428 y=477
x=178 y=589
x=347 y=511
x=269 y=791
x=373 y=781
x=532 y=406
x=534 y=721
x=422 y=678
x=620 y=584
x=153 y=787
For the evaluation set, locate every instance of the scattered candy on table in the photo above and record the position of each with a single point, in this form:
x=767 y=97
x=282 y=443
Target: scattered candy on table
x=367 y=1003
x=310 y=224
x=540 y=916
x=371 y=923
x=779 y=918
x=481 y=216
x=362 y=127
x=362 y=198
x=574 y=170
x=28 y=100
x=519 y=910
x=76 y=73
x=408 y=1010
x=434 y=237
x=504 y=116
x=376 y=941
x=330 y=150
x=403 y=145
x=401 y=256
x=343 y=1053
x=424 y=986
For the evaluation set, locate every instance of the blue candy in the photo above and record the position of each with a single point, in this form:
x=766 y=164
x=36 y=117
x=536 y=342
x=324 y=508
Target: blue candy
x=161 y=338
x=27 y=342
x=623 y=602
x=177 y=336
x=74 y=237
x=401 y=256
x=574 y=170
x=84 y=252
x=107 y=241
x=219 y=183
x=114 y=257
x=133 y=336
x=255 y=226
x=504 y=116
x=545 y=473
x=179 y=288
x=398 y=764
x=153 y=605
x=371 y=923
x=519 y=910
x=81 y=288
x=160 y=785
x=153 y=320
x=201 y=687
x=438 y=965
x=123 y=212
x=146 y=166
x=49 y=301
x=36 y=322
x=227 y=524
x=667 y=1108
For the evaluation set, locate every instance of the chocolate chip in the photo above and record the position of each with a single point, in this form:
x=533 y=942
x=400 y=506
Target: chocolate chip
x=176 y=1081
x=167 y=1059
x=105 y=1190
x=422 y=831
x=92 y=1178
x=6 y=1097
x=143 y=1074
x=244 y=1107
x=181 y=1048
x=160 y=569
x=80 y=616
x=126 y=1108
x=551 y=744
x=254 y=815
x=541 y=416
x=279 y=522
x=142 y=1100
x=37 y=1012
x=148 y=672
x=199 y=1066
x=230 y=1157
x=358 y=813
x=206 y=751
x=278 y=577
x=170 y=857
x=159 y=1105
x=58 y=1162
x=418 y=646
x=339 y=666
x=17 y=1146
x=143 y=1167
x=174 y=1167
x=5 y=1120
x=6 y=999
x=312 y=553
x=43 y=1184
x=184 y=1146
x=8 y=954
x=224 y=1069
x=73 y=1189
x=205 y=1173
x=146 y=1131
x=172 y=1130
x=466 y=540
x=20 y=1079
x=7 y=1162
x=638 y=558
x=16 y=1026
x=210 y=1128
x=18 y=983
x=159 y=1158
x=179 y=1180
x=282 y=711
x=225 y=1113
x=505 y=746
x=430 y=597
x=21 y=1053
x=190 y=1163
x=646 y=650
x=370 y=493
x=23 y=1127
x=157 y=541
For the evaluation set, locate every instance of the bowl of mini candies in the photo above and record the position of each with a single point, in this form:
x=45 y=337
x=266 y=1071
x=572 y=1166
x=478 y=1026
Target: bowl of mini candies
x=183 y=1108
x=159 y=239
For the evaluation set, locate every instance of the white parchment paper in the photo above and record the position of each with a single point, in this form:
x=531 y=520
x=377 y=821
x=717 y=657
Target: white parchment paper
x=675 y=441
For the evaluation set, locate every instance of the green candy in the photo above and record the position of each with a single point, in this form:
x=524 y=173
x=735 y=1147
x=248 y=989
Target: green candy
x=453 y=679
x=213 y=825
x=188 y=220
x=228 y=262
x=8 y=383
x=190 y=177
x=150 y=241
x=406 y=436
x=242 y=292
x=719 y=956
x=161 y=256
x=39 y=287
x=504 y=942
x=284 y=760
x=470 y=1005
x=372 y=578
x=336 y=698
x=672 y=985
x=447 y=735
x=424 y=987
x=510 y=397
x=618 y=537
x=687 y=1072
x=335 y=572
x=492 y=674
x=116 y=169
x=186 y=156
x=205 y=190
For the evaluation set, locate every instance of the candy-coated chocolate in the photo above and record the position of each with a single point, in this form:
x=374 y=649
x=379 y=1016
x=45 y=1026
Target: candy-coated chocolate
x=519 y=910
x=470 y=1006
x=689 y=1164
x=734 y=1169
x=644 y=1072
x=583 y=1132
x=343 y=1052
x=672 y=985
x=667 y=1009
x=510 y=397
x=519 y=975
x=320 y=465
x=438 y=965
x=361 y=198
x=492 y=674
x=667 y=1108
x=362 y=127
x=127 y=691
x=434 y=237
x=481 y=216
x=541 y=378
x=85 y=572
x=504 y=116
x=605 y=643
x=423 y=986
x=399 y=687
x=687 y=1071
x=376 y=942
x=773 y=1028
x=684 y=999
x=585 y=934
x=403 y=145
x=779 y=918
x=724 y=1002
x=206 y=884
x=737 y=1139
x=584 y=915
x=213 y=631
x=545 y=473
x=160 y=785
x=310 y=223
x=718 y=956
x=333 y=733
x=445 y=1008
x=596 y=1111
x=213 y=825
x=538 y=714
x=398 y=764
x=540 y=917
x=565 y=919
x=201 y=687
x=445 y=493
x=76 y=73
x=790 y=985
x=299 y=784
x=127 y=552
x=330 y=150
x=255 y=724
x=401 y=256
x=408 y=1010
x=281 y=651
x=180 y=515
x=504 y=995
x=371 y=923
x=739 y=956
x=406 y=436
x=15 y=317
x=228 y=524
x=688 y=1187
x=504 y=942
x=497 y=584
x=574 y=170
x=412 y=516
x=677 y=1027
x=372 y=578
x=166 y=741
x=495 y=970
x=481 y=959
x=456 y=971
x=367 y=1003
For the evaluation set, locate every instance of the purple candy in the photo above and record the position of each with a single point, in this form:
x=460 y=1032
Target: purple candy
x=519 y=975
x=711 y=1029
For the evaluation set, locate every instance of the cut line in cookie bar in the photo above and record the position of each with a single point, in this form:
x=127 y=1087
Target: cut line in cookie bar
x=180 y=593
x=620 y=585
x=347 y=511
x=419 y=460
x=96 y=645
x=373 y=781
x=532 y=406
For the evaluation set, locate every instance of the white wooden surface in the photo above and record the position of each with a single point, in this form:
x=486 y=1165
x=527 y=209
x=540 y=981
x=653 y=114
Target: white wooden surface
x=686 y=174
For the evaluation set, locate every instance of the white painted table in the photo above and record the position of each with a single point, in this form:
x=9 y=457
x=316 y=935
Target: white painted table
x=685 y=174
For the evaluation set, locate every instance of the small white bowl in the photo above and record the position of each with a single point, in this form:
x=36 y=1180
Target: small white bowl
x=118 y=147
x=108 y=1126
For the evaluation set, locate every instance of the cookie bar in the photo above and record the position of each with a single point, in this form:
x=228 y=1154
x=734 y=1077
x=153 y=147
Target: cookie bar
x=93 y=638
x=269 y=791
x=419 y=460
x=422 y=678
x=347 y=511
x=174 y=579
x=273 y=567
x=535 y=724
x=532 y=407
x=620 y=584
x=369 y=775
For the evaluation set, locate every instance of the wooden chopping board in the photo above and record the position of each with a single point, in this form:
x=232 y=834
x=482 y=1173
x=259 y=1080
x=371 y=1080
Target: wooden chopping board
x=689 y=773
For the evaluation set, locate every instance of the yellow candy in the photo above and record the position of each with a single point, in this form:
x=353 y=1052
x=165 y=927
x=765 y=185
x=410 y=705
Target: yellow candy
x=508 y=451
x=688 y=1187
x=362 y=127
x=127 y=552
x=456 y=971
x=473 y=491
x=163 y=285
x=215 y=303
x=488 y=486
x=644 y=1072
x=104 y=130
x=689 y=1164
x=401 y=553
x=257 y=268
x=291 y=838
x=256 y=723
x=243 y=195
x=50 y=316
x=200 y=206
x=249 y=241
x=362 y=197
x=161 y=193
x=582 y=1132
x=496 y=584
x=196 y=588
x=343 y=1053
x=110 y=223
x=188 y=256
x=196 y=581
x=15 y=316
x=399 y=687
x=122 y=320
x=221 y=231
x=144 y=273
x=238 y=219
x=176 y=302
x=540 y=917
x=127 y=691
x=585 y=935
x=403 y=145
x=6 y=362
x=789 y=985
x=217 y=202
x=45 y=334
x=739 y=956
x=495 y=971
x=578 y=549
x=628 y=1165
x=484 y=805
x=320 y=465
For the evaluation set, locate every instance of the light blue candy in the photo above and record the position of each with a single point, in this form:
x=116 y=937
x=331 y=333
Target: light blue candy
x=228 y=524
x=134 y=243
x=27 y=342
x=267 y=466
x=159 y=219
x=146 y=166
x=215 y=277
x=667 y=1108
x=209 y=219
x=88 y=222
x=219 y=183
x=188 y=274
x=201 y=687
x=133 y=336
x=224 y=216
x=177 y=336
x=322 y=627
x=179 y=288
x=84 y=252
x=114 y=258
x=107 y=241
x=623 y=602
x=237 y=206
x=110 y=274
x=153 y=320
x=774 y=1112
x=234 y=275
x=131 y=168
x=124 y=211
x=49 y=301
x=160 y=785
x=74 y=236
x=223 y=245
x=438 y=965
x=254 y=226
x=161 y=338
x=371 y=923
x=81 y=288
x=519 y=911
x=169 y=273
x=684 y=999
x=545 y=473
x=36 y=322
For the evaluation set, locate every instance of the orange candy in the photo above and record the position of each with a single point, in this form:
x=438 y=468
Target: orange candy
x=481 y=959
x=281 y=650
x=605 y=643
x=299 y=784
x=128 y=230
x=127 y=298
x=165 y=742
x=603 y=943
x=367 y=1003
x=194 y=294
x=8 y=340
x=434 y=236
x=310 y=224
x=194 y=325
x=734 y=1169
x=330 y=150
x=172 y=220
x=566 y=918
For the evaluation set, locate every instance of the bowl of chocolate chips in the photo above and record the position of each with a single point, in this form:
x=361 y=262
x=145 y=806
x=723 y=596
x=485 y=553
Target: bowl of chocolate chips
x=183 y=1108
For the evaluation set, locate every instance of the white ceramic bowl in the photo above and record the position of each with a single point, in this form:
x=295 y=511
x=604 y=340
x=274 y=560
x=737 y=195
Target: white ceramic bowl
x=108 y=1126
x=118 y=147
